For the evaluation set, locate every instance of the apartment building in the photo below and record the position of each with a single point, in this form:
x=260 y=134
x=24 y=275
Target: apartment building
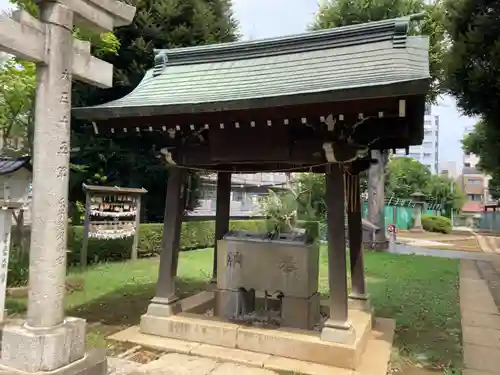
x=448 y=169
x=428 y=152
x=474 y=183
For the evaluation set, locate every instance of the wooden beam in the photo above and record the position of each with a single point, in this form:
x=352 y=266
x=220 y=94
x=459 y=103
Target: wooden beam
x=222 y=214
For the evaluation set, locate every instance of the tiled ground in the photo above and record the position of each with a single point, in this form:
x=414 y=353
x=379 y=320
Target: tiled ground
x=479 y=305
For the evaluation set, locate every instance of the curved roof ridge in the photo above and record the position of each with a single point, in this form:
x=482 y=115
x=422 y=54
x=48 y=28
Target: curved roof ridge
x=391 y=29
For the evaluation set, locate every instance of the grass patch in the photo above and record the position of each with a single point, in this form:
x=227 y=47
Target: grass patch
x=420 y=293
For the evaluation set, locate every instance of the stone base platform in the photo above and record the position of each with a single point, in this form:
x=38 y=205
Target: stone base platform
x=93 y=363
x=374 y=360
x=191 y=326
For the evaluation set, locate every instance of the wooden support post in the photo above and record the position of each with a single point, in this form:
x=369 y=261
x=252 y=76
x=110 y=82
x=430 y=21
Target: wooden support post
x=337 y=328
x=165 y=302
x=182 y=207
x=86 y=226
x=355 y=229
x=222 y=213
x=138 y=202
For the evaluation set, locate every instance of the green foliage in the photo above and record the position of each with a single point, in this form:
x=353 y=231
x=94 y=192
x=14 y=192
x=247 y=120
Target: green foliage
x=194 y=235
x=17 y=97
x=280 y=210
x=472 y=64
x=439 y=224
x=439 y=190
x=312 y=229
x=473 y=75
x=18 y=268
x=483 y=141
x=494 y=186
x=335 y=13
x=405 y=176
x=310 y=191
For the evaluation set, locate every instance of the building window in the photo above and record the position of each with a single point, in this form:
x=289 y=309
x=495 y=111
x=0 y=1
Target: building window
x=475 y=197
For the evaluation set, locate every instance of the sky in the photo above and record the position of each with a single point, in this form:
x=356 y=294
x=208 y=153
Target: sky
x=270 y=18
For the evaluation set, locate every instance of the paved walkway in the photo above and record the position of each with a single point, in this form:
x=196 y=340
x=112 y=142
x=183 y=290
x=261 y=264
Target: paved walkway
x=453 y=254
x=489 y=244
x=182 y=364
x=479 y=306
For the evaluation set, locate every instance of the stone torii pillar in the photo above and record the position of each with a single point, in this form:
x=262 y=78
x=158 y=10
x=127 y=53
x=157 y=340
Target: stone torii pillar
x=376 y=197
x=47 y=340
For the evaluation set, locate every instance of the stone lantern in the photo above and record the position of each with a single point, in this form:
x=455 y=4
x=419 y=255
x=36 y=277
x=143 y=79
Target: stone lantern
x=418 y=199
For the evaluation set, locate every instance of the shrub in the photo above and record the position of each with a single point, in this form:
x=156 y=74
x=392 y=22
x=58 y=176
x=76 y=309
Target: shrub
x=312 y=229
x=440 y=224
x=194 y=235
x=18 y=268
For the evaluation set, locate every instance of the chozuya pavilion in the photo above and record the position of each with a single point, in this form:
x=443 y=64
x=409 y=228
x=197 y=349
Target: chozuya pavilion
x=319 y=102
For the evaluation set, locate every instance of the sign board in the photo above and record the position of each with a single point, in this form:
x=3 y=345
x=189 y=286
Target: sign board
x=111 y=212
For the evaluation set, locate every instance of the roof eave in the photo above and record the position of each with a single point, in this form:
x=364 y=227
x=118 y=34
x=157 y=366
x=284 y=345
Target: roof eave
x=412 y=87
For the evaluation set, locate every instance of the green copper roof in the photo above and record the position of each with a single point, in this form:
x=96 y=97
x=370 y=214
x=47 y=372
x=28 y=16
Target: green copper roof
x=244 y=75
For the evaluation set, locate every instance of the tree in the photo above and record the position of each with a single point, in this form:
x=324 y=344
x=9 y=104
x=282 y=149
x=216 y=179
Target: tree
x=335 y=13
x=127 y=161
x=17 y=91
x=405 y=176
x=494 y=186
x=445 y=191
x=310 y=190
x=484 y=141
x=472 y=65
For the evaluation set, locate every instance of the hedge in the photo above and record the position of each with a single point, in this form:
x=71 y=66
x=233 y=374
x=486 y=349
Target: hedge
x=194 y=235
x=433 y=223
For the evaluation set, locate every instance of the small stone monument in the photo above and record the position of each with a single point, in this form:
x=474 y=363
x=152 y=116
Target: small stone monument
x=15 y=177
x=418 y=199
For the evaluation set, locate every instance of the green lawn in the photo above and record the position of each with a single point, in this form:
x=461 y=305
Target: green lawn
x=421 y=293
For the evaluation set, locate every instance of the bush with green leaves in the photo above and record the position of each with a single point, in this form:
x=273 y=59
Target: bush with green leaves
x=439 y=224
x=194 y=235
